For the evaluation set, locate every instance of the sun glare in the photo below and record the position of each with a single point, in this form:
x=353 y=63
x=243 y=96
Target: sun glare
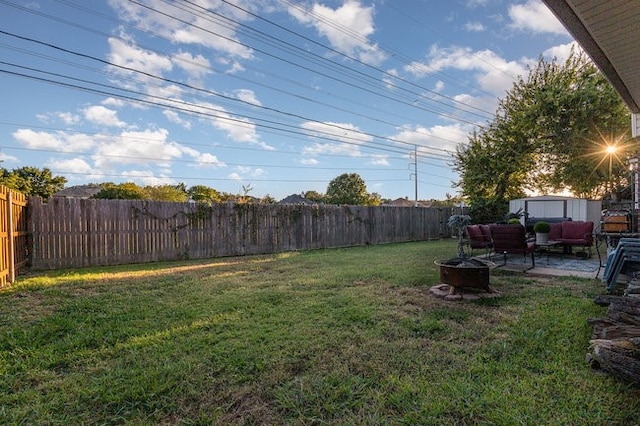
x=611 y=149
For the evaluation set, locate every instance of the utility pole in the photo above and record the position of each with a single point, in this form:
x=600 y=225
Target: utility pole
x=415 y=173
x=415 y=166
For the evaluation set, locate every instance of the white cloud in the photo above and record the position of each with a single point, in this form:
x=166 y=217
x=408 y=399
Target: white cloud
x=113 y=102
x=331 y=149
x=247 y=95
x=347 y=28
x=562 y=51
x=103 y=116
x=68 y=118
x=7 y=158
x=474 y=27
x=245 y=173
x=54 y=141
x=437 y=137
x=203 y=160
x=379 y=160
x=74 y=165
x=130 y=56
x=309 y=161
x=145 y=147
x=348 y=136
x=388 y=80
x=493 y=73
x=534 y=16
x=196 y=66
x=343 y=132
x=175 y=118
x=209 y=160
x=189 y=27
x=239 y=129
x=146 y=177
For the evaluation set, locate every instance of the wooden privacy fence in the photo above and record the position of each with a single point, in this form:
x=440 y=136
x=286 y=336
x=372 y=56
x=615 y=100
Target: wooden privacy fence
x=70 y=232
x=13 y=235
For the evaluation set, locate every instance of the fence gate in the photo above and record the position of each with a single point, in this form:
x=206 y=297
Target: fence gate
x=14 y=251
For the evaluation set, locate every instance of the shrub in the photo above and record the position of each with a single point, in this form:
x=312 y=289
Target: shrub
x=542 y=227
x=514 y=221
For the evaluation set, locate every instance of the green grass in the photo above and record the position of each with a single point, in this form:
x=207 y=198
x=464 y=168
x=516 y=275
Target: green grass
x=345 y=336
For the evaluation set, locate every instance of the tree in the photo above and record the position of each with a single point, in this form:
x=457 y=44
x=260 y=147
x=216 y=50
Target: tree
x=348 y=189
x=314 y=196
x=33 y=181
x=549 y=134
x=268 y=199
x=121 y=191
x=204 y=194
x=176 y=194
x=375 y=199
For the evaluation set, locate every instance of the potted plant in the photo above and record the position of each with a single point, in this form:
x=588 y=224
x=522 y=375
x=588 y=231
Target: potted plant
x=542 y=229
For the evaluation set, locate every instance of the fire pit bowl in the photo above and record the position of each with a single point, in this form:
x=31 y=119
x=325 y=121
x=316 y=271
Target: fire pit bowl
x=465 y=273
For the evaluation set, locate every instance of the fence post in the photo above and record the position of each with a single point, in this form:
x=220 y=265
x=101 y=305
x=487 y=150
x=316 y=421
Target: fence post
x=10 y=243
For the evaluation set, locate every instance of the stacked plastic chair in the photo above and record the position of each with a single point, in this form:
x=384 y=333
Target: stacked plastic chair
x=625 y=258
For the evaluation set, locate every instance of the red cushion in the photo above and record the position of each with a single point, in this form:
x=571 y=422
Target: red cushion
x=474 y=232
x=486 y=232
x=556 y=231
x=576 y=230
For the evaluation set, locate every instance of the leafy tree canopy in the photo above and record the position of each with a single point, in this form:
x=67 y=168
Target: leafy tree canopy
x=32 y=181
x=314 y=196
x=172 y=193
x=121 y=191
x=350 y=188
x=550 y=134
x=204 y=194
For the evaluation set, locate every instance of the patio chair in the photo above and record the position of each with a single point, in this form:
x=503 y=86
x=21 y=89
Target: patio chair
x=512 y=239
x=479 y=238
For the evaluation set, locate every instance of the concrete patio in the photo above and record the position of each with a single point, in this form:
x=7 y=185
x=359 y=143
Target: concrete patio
x=553 y=264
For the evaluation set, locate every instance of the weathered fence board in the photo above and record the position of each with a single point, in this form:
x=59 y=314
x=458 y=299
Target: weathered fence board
x=69 y=232
x=14 y=238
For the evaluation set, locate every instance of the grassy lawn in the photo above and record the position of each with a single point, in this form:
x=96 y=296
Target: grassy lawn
x=344 y=336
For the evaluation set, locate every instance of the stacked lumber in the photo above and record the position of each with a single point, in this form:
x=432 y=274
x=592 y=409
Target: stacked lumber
x=615 y=344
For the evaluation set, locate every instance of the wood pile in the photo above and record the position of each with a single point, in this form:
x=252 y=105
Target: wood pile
x=615 y=344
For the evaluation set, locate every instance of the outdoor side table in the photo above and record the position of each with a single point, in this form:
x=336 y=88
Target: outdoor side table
x=547 y=247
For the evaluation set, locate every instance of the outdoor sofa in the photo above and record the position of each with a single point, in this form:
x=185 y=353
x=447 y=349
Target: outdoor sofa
x=513 y=238
x=575 y=233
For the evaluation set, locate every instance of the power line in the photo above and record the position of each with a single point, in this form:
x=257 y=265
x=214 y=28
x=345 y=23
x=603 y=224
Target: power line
x=304 y=67
x=216 y=146
x=187 y=107
x=351 y=58
x=338 y=127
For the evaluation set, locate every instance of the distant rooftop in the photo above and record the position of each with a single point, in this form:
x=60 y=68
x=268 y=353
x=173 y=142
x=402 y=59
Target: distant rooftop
x=79 y=191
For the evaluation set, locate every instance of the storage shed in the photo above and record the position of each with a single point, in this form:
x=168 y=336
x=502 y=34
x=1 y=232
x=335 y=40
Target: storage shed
x=547 y=206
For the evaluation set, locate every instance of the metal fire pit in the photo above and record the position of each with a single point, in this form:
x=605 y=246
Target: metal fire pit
x=465 y=273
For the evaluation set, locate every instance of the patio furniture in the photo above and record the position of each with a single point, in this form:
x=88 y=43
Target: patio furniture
x=575 y=233
x=531 y=221
x=624 y=258
x=479 y=237
x=512 y=239
x=547 y=247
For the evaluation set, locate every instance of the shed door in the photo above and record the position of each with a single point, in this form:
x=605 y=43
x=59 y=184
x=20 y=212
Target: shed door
x=549 y=208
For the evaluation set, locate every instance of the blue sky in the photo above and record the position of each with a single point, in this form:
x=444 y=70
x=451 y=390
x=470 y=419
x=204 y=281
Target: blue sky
x=275 y=96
